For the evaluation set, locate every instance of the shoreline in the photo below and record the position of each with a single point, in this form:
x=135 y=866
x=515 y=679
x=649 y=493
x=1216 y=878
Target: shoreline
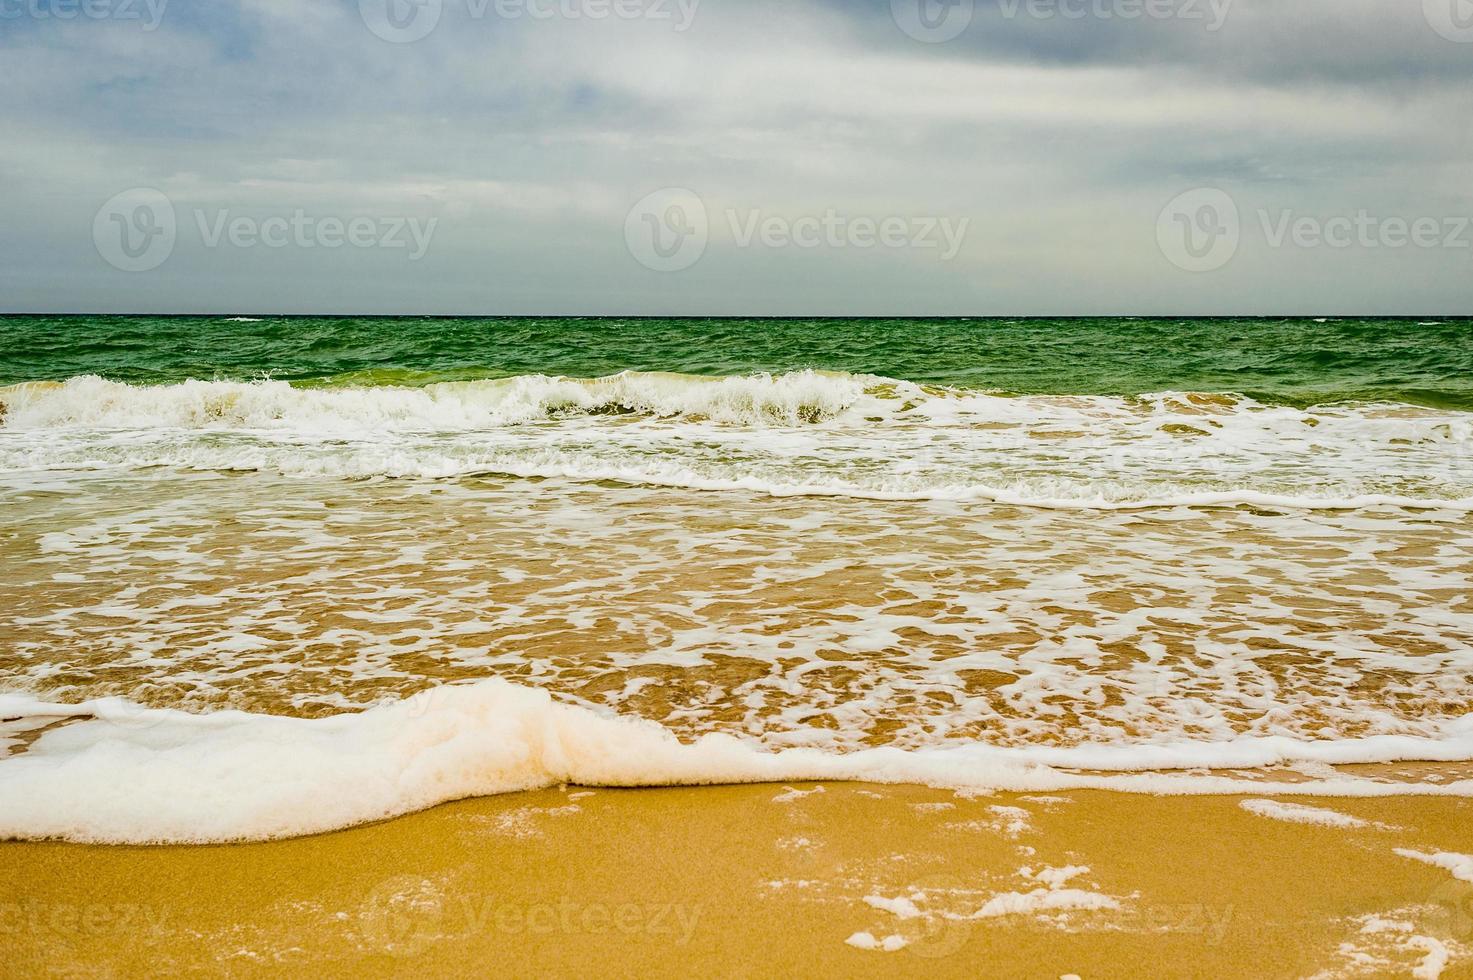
x=766 y=879
x=257 y=778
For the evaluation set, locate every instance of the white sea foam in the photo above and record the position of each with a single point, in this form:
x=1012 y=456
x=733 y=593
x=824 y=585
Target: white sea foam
x=1056 y=877
x=465 y=405
x=139 y=775
x=1078 y=635
x=1052 y=897
x=1298 y=813
x=1044 y=900
x=789 y=794
x=803 y=433
x=902 y=907
x=1386 y=946
x=919 y=625
x=888 y=944
x=1460 y=866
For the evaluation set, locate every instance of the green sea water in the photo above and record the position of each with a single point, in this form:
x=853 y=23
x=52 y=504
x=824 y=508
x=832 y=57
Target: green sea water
x=1296 y=362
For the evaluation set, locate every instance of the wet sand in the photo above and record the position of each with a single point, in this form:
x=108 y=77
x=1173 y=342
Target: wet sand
x=760 y=881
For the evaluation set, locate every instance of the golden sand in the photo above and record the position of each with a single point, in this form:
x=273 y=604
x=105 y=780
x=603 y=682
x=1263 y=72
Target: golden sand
x=761 y=881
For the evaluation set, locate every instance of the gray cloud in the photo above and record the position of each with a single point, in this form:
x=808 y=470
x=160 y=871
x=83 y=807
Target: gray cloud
x=528 y=141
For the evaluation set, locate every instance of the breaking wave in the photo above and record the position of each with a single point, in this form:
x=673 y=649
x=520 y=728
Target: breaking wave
x=806 y=432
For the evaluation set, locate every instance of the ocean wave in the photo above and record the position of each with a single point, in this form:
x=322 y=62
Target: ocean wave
x=789 y=399
x=759 y=400
x=133 y=775
x=803 y=433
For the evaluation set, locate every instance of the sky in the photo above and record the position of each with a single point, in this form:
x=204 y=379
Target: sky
x=737 y=157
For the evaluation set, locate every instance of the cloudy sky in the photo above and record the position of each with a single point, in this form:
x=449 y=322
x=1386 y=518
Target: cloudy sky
x=737 y=156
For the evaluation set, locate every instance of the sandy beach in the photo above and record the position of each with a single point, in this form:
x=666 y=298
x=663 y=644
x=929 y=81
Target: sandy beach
x=769 y=880
x=935 y=648
x=668 y=488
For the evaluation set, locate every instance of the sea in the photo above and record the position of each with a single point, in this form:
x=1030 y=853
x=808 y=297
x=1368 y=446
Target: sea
x=270 y=576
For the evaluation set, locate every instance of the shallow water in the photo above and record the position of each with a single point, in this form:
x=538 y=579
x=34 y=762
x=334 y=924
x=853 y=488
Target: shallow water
x=811 y=559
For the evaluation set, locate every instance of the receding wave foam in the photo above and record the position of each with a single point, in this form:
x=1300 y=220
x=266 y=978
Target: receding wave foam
x=800 y=433
x=135 y=775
